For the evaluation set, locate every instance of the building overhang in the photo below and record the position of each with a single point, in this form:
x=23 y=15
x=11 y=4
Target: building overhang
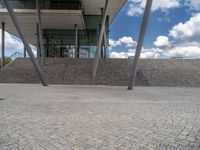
x=93 y=7
x=58 y=19
x=51 y=19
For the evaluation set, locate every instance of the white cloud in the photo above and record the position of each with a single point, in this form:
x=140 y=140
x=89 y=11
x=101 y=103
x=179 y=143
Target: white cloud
x=188 y=31
x=14 y=44
x=136 y=7
x=125 y=41
x=156 y=53
x=185 y=52
x=146 y=53
x=118 y=55
x=183 y=40
x=162 y=41
x=193 y=4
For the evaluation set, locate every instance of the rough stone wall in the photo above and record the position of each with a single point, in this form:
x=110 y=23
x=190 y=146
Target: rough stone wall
x=110 y=72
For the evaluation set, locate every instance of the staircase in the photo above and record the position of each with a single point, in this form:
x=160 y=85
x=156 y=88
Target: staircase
x=113 y=72
x=71 y=72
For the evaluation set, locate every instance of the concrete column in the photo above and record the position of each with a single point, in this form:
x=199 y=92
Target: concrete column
x=98 y=52
x=40 y=31
x=26 y=44
x=139 y=44
x=2 y=44
x=76 y=41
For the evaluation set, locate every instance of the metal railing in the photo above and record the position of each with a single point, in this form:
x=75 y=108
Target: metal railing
x=16 y=55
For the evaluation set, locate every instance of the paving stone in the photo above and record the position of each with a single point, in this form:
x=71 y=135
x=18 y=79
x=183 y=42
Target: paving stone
x=99 y=118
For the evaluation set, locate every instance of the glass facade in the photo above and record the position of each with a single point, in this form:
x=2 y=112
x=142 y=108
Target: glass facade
x=61 y=42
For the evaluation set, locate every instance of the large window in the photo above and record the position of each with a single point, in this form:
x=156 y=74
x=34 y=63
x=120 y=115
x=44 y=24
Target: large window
x=61 y=43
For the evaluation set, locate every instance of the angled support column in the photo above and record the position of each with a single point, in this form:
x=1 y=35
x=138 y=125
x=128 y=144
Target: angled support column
x=105 y=45
x=98 y=52
x=105 y=38
x=27 y=46
x=2 y=44
x=40 y=33
x=76 y=41
x=140 y=43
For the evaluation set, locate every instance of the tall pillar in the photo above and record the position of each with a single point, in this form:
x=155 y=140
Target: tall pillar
x=105 y=39
x=41 y=46
x=2 y=44
x=105 y=45
x=26 y=44
x=76 y=41
x=39 y=53
x=140 y=43
x=98 y=52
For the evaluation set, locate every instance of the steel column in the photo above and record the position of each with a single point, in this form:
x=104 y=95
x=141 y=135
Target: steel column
x=40 y=31
x=98 y=52
x=24 y=52
x=27 y=46
x=2 y=44
x=76 y=40
x=105 y=44
x=139 y=44
x=39 y=53
x=105 y=38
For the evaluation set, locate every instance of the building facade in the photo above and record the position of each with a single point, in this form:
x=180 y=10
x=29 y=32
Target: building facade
x=70 y=28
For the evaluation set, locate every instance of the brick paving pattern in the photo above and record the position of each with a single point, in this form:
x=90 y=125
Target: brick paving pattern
x=98 y=118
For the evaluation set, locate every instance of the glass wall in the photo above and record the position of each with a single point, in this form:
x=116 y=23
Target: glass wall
x=45 y=4
x=61 y=43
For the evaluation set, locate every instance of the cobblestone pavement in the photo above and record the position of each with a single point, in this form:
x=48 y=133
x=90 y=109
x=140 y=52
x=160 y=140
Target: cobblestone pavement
x=98 y=118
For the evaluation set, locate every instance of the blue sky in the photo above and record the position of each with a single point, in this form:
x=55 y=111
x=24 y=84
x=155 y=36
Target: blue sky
x=173 y=30
x=165 y=15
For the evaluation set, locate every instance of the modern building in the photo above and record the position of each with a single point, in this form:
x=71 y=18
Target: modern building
x=70 y=28
x=66 y=28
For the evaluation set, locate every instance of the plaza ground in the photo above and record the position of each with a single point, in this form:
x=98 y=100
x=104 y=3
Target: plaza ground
x=98 y=118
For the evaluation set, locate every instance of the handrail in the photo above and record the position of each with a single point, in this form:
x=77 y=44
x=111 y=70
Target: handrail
x=16 y=55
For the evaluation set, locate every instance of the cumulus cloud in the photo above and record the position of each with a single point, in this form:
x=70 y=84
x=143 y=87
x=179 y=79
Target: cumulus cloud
x=188 y=31
x=162 y=41
x=156 y=53
x=12 y=44
x=136 y=7
x=194 y=5
x=124 y=41
x=185 y=52
x=146 y=53
x=119 y=55
x=183 y=41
